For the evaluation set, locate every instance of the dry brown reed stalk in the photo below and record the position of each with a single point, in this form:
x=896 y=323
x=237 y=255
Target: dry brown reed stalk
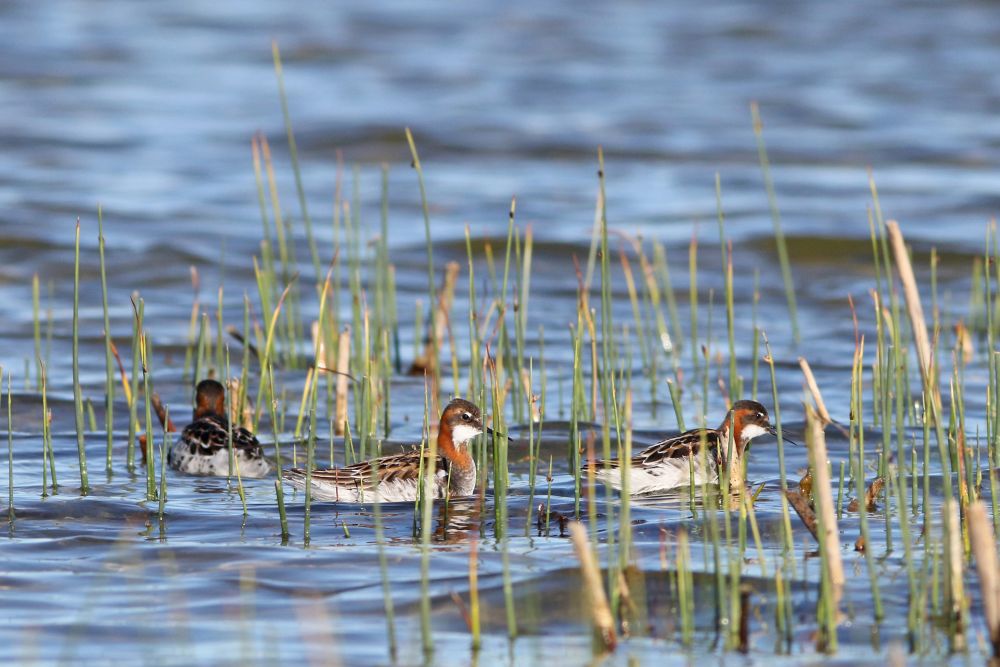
x=235 y=334
x=161 y=413
x=343 y=366
x=956 y=593
x=324 y=357
x=237 y=415
x=985 y=550
x=315 y=630
x=823 y=492
x=442 y=313
x=913 y=308
x=165 y=421
x=814 y=391
x=604 y=622
x=536 y=414
x=964 y=342
x=121 y=370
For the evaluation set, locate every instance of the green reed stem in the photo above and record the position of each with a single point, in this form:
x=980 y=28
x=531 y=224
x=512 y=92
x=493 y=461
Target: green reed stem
x=706 y=351
x=148 y=393
x=268 y=372
x=164 y=448
x=532 y=452
x=109 y=388
x=499 y=446
x=675 y=398
x=77 y=390
x=133 y=404
x=234 y=463
x=261 y=198
x=777 y=413
x=693 y=300
x=667 y=289
x=625 y=513
x=857 y=413
x=576 y=409
x=840 y=492
x=685 y=587
x=219 y=329
x=91 y=415
x=310 y=464
x=779 y=235
x=431 y=293
x=474 y=356
x=383 y=566
x=282 y=516
x=755 y=345
x=428 y=470
x=36 y=322
x=607 y=366
x=911 y=574
x=48 y=456
x=475 y=624
x=294 y=153
x=648 y=359
x=727 y=272
x=508 y=589
x=11 y=516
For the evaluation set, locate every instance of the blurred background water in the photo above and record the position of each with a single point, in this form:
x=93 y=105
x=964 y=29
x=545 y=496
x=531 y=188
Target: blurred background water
x=147 y=109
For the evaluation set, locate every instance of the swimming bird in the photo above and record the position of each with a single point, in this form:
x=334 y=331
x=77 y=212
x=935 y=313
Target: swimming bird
x=395 y=478
x=669 y=464
x=203 y=448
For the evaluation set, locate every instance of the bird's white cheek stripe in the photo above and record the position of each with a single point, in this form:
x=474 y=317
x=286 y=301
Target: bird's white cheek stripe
x=751 y=431
x=464 y=432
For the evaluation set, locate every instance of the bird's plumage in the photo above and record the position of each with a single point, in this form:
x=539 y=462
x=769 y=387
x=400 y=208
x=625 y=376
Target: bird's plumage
x=396 y=478
x=674 y=462
x=203 y=448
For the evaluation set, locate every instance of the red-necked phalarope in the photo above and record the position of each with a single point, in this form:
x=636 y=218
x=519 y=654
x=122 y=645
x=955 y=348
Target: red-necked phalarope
x=669 y=464
x=203 y=448
x=395 y=478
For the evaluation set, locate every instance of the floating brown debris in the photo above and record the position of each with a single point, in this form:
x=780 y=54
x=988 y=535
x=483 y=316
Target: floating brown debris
x=806 y=484
x=870 y=495
x=800 y=503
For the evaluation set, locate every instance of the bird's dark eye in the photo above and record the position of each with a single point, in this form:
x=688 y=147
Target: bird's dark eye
x=466 y=417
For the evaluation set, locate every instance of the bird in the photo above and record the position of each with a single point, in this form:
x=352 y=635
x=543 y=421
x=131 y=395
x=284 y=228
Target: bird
x=396 y=478
x=203 y=448
x=669 y=464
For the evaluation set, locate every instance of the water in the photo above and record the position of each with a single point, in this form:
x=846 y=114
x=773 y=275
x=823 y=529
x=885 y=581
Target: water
x=148 y=111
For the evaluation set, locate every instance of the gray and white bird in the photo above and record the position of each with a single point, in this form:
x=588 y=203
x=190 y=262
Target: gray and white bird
x=203 y=448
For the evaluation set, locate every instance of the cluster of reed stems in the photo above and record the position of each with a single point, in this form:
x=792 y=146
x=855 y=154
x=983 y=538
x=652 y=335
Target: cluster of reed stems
x=911 y=401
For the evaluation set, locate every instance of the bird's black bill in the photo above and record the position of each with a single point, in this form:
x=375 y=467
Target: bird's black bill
x=490 y=432
x=773 y=431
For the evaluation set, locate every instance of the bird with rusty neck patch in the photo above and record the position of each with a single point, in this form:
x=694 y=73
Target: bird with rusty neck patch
x=396 y=478
x=203 y=448
x=669 y=464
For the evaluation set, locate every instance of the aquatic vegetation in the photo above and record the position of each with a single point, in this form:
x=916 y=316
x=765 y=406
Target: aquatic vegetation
x=579 y=381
